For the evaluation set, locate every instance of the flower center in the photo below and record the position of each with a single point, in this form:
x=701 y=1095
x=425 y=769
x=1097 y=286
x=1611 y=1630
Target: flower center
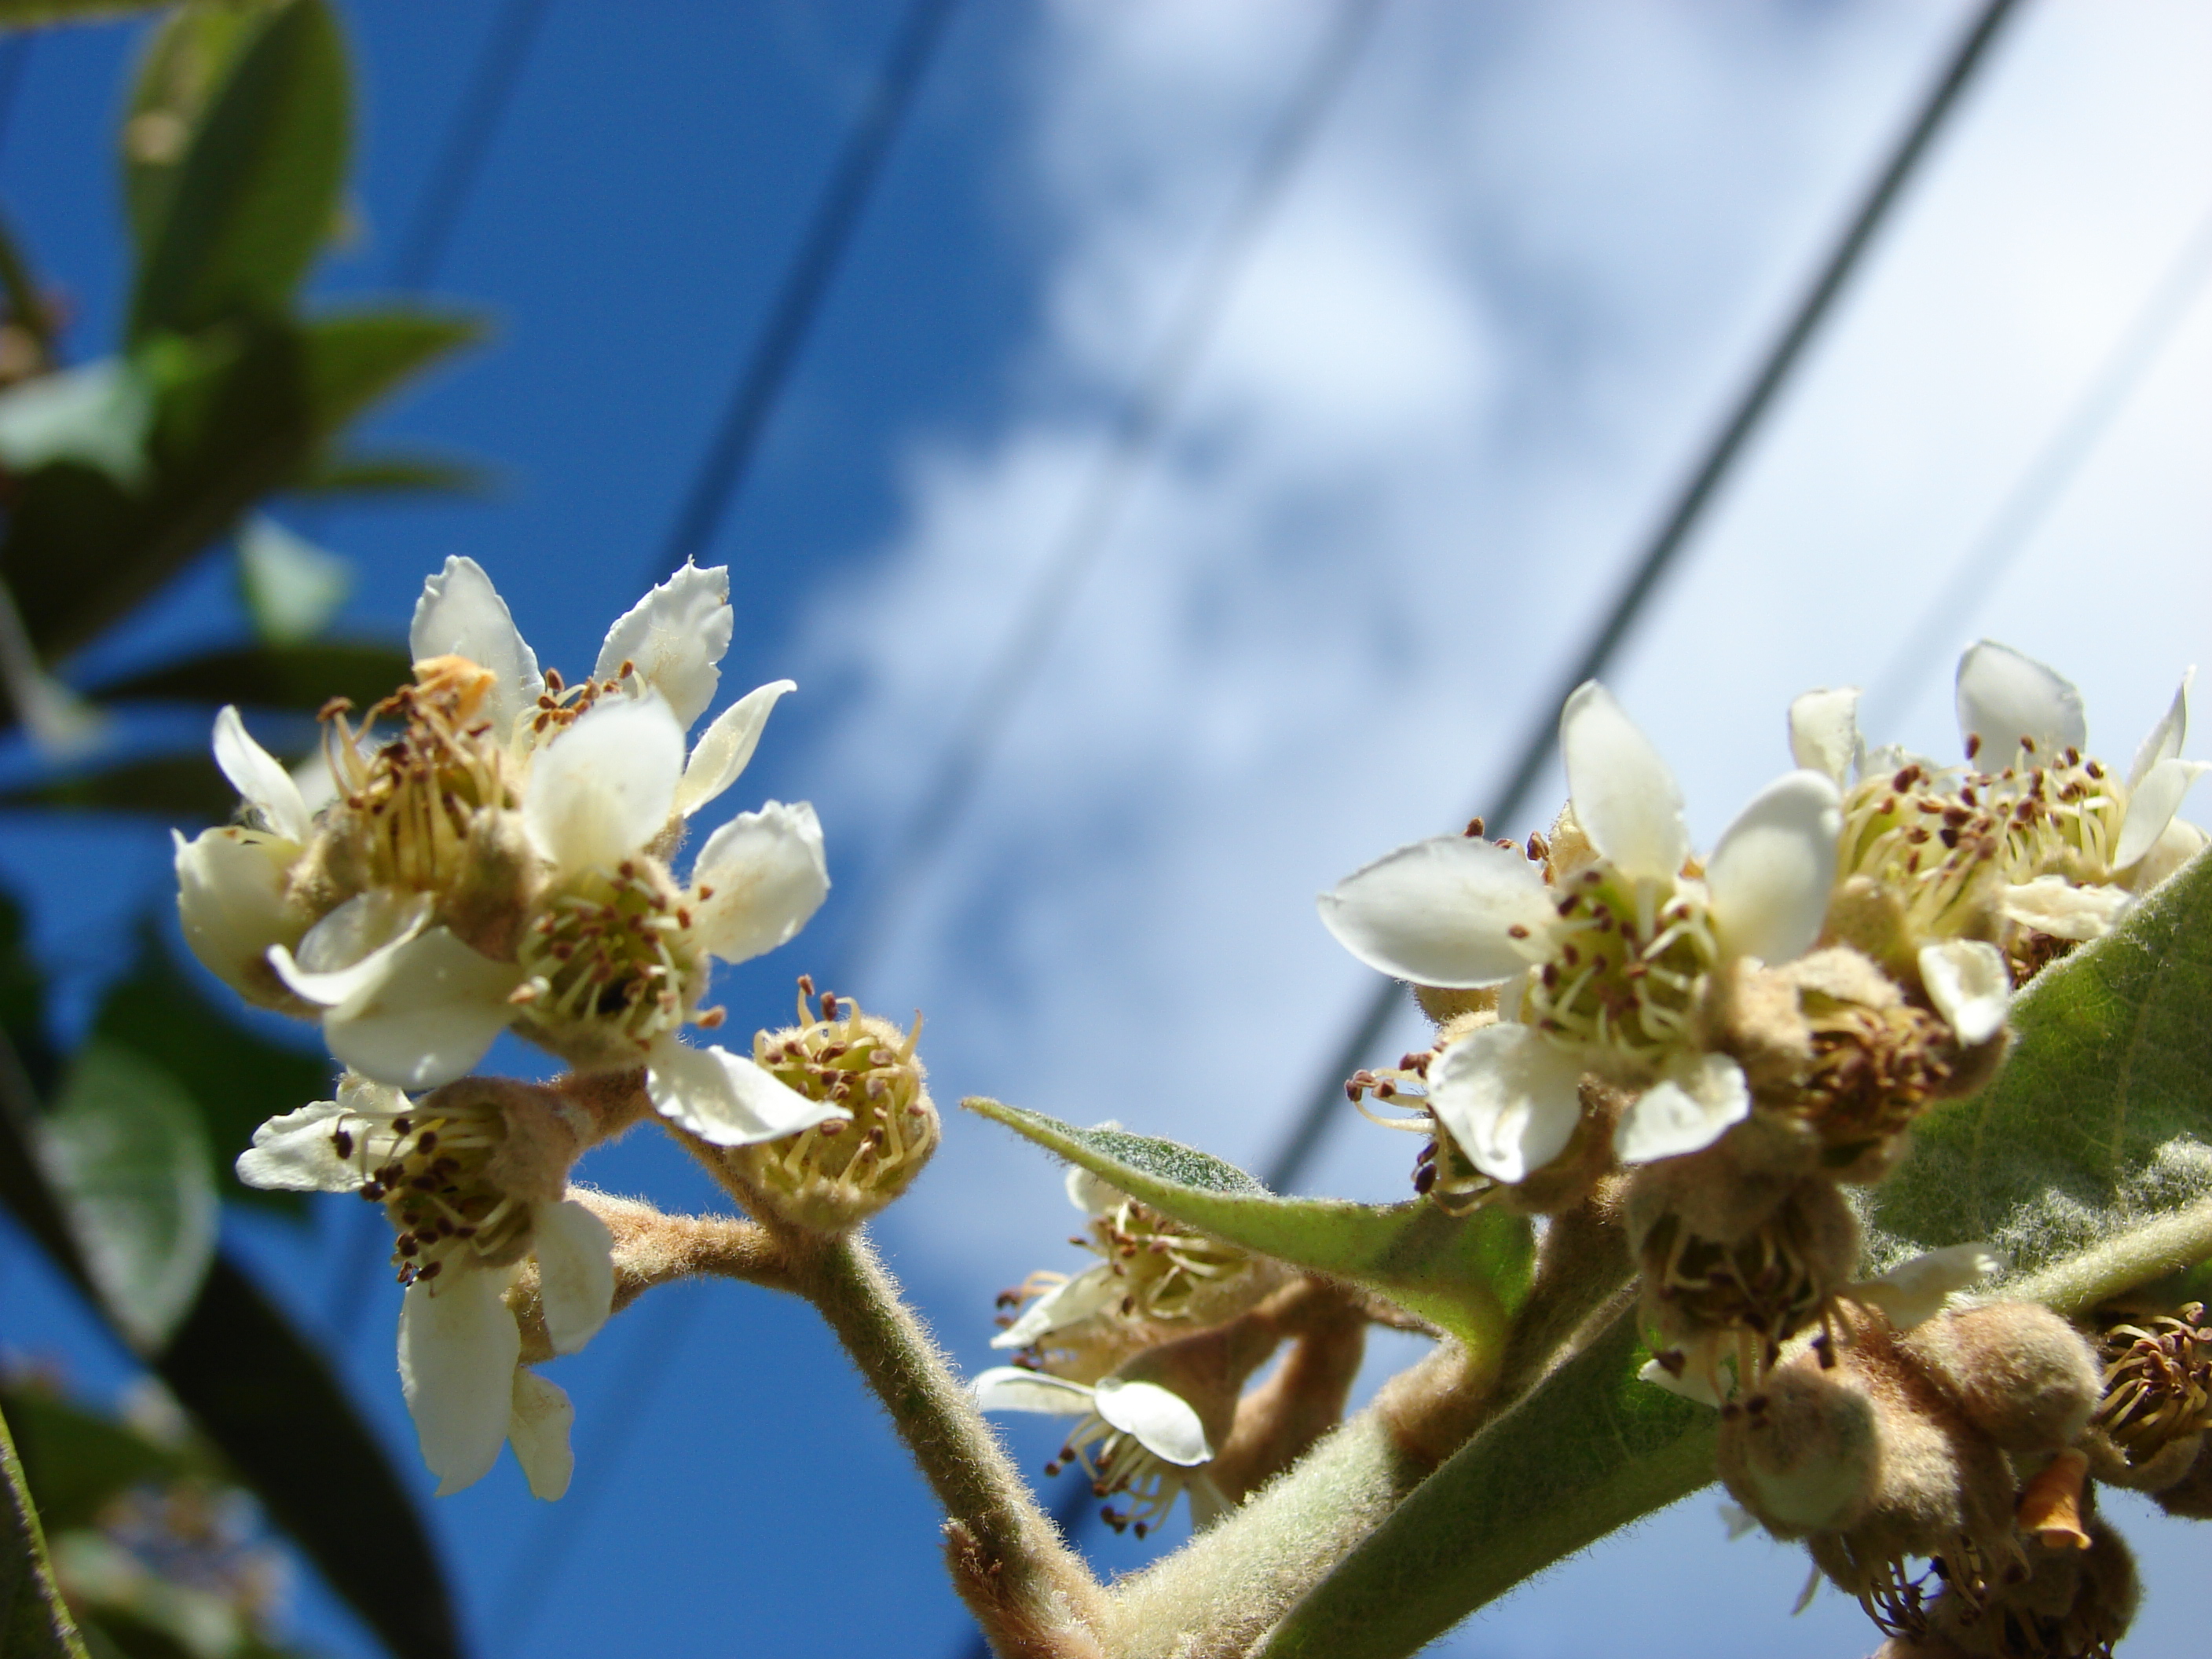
x=1122 y=1464
x=864 y=1065
x=612 y=951
x=1925 y=844
x=2062 y=819
x=411 y=803
x=2157 y=1386
x=1625 y=969
x=431 y=1173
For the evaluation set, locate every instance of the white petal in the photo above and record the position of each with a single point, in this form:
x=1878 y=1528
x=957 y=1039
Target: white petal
x=230 y=898
x=673 y=637
x=1739 y=1521
x=2152 y=805
x=1687 y=1110
x=461 y=614
x=1063 y=1305
x=1772 y=874
x=458 y=1348
x=2054 y=905
x=576 y=1272
x=726 y=746
x=430 y=1019
x=761 y=876
x=606 y=786
x=294 y=1153
x=1625 y=796
x=537 y=1427
x=1087 y=1192
x=1163 y=1421
x=2180 y=844
x=2006 y=700
x=260 y=777
x=1012 y=1388
x=97 y=415
x=1967 y=981
x=1915 y=1291
x=1824 y=733
x=351 y=951
x=1692 y=1384
x=725 y=1099
x=1437 y=912
x=1510 y=1098
x=2165 y=739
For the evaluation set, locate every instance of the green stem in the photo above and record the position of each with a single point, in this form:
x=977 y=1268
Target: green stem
x=2145 y=1251
x=33 y=1622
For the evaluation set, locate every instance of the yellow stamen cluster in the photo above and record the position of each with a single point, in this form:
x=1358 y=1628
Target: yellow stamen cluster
x=613 y=951
x=2158 y=1383
x=430 y=1171
x=1122 y=1464
x=1628 y=970
x=1929 y=845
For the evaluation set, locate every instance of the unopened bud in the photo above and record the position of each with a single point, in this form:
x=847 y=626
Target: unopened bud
x=835 y=1175
x=1800 y=1452
x=2019 y=1372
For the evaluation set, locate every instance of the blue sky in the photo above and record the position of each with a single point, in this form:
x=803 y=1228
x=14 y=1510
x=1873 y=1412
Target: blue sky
x=1489 y=321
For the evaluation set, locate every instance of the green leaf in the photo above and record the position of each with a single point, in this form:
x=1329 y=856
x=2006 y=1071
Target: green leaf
x=1590 y=1450
x=2094 y=1143
x=126 y=1153
x=234 y=1077
x=268 y=1402
x=393 y=472
x=96 y=416
x=34 y=1623
x=185 y=62
x=35 y=14
x=354 y=358
x=1466 y=1273
x=174 y=788
x=296 y=676
x=258 y=191
x=75 y=1460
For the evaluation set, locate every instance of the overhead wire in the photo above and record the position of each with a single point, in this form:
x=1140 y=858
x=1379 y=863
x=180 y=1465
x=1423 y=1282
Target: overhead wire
x=735 y=442
x=1662 y=548
x=1142 y=420
x=2044 y=482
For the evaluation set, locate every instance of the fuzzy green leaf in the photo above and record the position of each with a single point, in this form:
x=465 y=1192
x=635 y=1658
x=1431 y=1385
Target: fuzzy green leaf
x=186 y=60
x=256 y=193
x=1590 y=1450
x=34 y=1623
x=2094 y=1142
x=302 y=678
x=1466 y=1273
x=75 y=1460
x=126 y=1150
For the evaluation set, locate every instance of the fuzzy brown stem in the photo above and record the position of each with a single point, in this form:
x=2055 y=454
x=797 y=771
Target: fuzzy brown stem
x=1279 y=1421
x=1034 y=1597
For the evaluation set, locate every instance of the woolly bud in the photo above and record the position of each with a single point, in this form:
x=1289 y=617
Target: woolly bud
x=2021 y=1374
x=1801 y=1454
x=2070 y=1604
x=836 y=1175
x=2190 y=1497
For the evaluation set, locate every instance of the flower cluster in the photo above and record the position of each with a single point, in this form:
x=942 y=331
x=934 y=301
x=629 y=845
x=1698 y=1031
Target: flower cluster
x=492 y=848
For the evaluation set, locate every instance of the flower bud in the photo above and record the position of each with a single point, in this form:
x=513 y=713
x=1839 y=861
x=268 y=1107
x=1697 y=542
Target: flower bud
x=1801 y=1453
x=2070 y=1604
x=2020 y=1373
x=836 y=1175
x=231 y=899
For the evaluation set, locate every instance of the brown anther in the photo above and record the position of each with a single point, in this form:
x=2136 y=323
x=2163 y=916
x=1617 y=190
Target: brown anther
x=1475 y=829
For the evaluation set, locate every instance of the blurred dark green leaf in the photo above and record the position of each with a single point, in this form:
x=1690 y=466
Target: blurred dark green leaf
x=127 y=1151
x=75 y=1460
x=267 y=1401
x=296 y=676
x=34 y=1623
x=236 y=1079
x=181 y=789
x=185 y=62
x=33 y=14
x=256 y=193
x=391 y=473
x=353 y=358
x=23 y=1001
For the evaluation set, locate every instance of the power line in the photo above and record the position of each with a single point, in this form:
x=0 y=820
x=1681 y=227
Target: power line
x=1685 y=513
x=1141 y=424
x=467 y=142
x=2043 y=483
x=736 y=441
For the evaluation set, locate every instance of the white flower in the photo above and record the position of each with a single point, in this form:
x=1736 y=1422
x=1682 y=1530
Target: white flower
x=616 y=957
x=1150 y=1441
x=1602 y=968
x=436 y=1167
x=231 y=882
